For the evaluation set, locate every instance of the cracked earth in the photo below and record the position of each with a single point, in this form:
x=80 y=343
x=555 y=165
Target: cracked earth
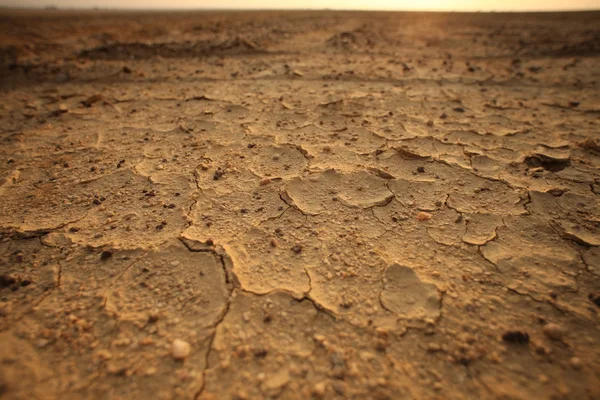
x=320 y=205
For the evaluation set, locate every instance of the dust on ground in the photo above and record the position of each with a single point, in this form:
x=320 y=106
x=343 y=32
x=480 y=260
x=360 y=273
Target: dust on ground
x=249 y=205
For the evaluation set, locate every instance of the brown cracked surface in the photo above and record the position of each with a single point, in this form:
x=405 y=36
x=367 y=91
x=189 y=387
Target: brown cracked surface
x=321 y=205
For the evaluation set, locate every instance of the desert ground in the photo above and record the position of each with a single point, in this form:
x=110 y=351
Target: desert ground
x=297 y=205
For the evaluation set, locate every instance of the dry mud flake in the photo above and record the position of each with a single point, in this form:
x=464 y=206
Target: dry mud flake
x=532 y=258
x=128 y=209
x=224 y=217
x=31 y=201
x=275 y=256
x=405 y=294
x=316 y=194
x=577 y=217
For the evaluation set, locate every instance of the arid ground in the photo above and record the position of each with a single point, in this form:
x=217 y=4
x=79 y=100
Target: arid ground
x=296 y=205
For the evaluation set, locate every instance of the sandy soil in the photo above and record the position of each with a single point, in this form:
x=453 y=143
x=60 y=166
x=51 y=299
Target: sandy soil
x=299 y=205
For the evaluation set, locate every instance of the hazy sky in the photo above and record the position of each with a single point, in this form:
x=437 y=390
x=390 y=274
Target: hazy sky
x=442 y=5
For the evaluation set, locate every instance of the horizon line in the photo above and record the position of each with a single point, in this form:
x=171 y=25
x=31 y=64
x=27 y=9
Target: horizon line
x=51 y=8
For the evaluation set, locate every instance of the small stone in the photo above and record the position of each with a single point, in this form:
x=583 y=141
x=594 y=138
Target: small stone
x=433 y=347
x=181 y=349
x=319 y=389
x=420 y=170
x=575 y=362
x=553 y=331
x=106 y=255
x=423 y=216
x=104 y=354
x=430 y=123
x=146 y=341
x=297 y=248
x=326 y=149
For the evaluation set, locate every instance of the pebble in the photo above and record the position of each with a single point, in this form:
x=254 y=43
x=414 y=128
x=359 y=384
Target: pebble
x=423 y=216
x=181 y=349
x=319 y=389
x=433 y=347
x=575 y=362
x=553 y=331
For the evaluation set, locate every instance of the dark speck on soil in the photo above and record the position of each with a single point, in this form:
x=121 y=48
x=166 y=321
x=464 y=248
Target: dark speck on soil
x=595 y=298
x=517 y=337
x=6 y=280
x=218 y=174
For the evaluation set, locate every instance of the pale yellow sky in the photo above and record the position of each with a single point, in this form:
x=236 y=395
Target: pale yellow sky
x=409 y=5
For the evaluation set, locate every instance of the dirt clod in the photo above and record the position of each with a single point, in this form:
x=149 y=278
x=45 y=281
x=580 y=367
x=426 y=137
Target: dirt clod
x=105 y=255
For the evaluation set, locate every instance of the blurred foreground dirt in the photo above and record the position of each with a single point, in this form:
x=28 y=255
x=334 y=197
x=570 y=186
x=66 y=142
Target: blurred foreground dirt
x=251 y=205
